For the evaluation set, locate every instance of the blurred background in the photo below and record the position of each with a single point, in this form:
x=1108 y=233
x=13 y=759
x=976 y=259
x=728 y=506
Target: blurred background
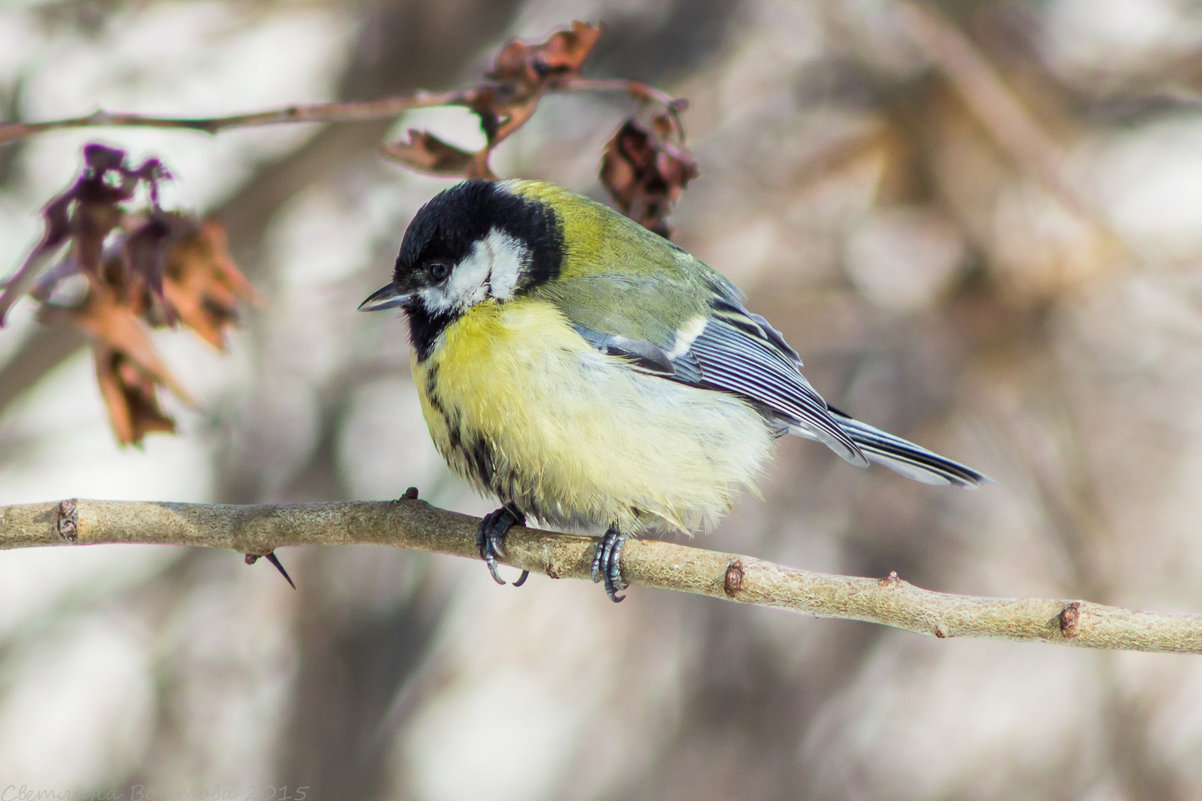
x=1000 y=263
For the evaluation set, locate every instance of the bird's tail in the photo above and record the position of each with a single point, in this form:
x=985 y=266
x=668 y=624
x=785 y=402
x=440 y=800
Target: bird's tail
x=912 y=461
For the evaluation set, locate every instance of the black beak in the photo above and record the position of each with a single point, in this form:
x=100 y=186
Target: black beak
x=386 y=297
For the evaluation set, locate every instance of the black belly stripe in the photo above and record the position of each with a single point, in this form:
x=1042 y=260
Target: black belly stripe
x=474 y=452
x=432 y=389
x=454 y=437
x=480 y=459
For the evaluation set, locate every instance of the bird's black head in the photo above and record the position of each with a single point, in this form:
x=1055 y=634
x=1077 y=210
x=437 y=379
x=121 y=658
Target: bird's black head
x=447 y=228
x=476 y=241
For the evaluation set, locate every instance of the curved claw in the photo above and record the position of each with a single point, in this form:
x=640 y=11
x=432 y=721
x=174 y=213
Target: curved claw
x=490 y=539
x=607 y=564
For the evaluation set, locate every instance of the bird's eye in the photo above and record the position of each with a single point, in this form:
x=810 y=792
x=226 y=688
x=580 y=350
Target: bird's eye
x=439 y=270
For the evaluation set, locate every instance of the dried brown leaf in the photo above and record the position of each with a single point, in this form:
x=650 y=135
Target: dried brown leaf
x=129 y=370
x=145 y=252
x=425 y=152
x=203 y=285
x=532 y=66
x=502 y=112
x=130 y=395
x=107 y=182
x=645 y=173
x=91 y=222
x=106 y=316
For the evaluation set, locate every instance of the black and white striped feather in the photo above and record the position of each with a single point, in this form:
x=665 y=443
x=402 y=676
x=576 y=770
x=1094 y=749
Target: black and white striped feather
x=903 y=456
x=739 y=352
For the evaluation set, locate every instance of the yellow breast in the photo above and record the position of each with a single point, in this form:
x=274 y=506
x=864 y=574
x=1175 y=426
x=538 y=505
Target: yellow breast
x=523 y=408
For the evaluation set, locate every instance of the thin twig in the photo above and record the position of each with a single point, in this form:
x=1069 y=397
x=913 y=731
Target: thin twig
x=355 y=111
x=410 y=523
x=310 y=112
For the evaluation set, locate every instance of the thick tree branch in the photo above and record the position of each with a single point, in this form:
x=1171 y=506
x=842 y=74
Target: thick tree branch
x=410 y=523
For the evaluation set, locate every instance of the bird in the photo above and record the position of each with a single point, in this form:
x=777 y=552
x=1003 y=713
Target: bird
x=593 y=375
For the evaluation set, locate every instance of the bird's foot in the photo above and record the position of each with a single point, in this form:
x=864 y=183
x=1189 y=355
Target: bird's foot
x=490 y=539
x=607 y=563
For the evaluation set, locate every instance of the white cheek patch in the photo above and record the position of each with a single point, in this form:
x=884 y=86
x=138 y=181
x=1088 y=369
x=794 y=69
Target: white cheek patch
x=491 y=270
x=435 y=300
x=507 y=256
x=467 y=284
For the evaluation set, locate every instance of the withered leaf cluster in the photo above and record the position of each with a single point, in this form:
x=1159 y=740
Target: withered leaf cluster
x=140 y=268
x=645 y=166
x=522 y=73
x=126 y=266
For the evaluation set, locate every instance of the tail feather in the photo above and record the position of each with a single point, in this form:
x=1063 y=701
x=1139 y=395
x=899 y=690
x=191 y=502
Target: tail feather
x=903 y=456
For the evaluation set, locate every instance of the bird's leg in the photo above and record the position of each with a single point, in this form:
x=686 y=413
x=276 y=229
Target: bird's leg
x=490 y=538
x=607 y=563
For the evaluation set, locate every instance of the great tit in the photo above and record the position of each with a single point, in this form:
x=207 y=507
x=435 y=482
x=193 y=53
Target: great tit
x=592 y=374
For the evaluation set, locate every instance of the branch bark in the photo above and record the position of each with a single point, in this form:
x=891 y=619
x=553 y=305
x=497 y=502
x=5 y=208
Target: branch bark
x=414 y=524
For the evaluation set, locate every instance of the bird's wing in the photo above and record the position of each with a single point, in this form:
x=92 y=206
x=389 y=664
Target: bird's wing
x=731 y=350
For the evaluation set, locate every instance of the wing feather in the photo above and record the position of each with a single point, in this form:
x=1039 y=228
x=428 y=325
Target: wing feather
x=737 y=352
x=912 y=461
x=731 y=358
x=731 y=350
